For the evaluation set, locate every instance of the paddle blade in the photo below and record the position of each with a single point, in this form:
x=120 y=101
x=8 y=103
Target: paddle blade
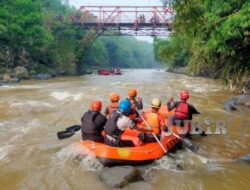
x=64 y=134
x=190 y=145
x=74 y=128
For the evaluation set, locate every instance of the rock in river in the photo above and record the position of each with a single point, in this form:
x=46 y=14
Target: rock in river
x=241 y=100
x=120 y=176
x=45 y=76
x=245 y=158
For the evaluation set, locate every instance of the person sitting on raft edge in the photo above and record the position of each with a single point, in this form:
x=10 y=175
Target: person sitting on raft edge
x=93 y=122
x=117 y=123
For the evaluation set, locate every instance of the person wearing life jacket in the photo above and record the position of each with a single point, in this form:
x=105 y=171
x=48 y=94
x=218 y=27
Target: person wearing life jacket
x=93 y=122
x=114 y=99
x=119 y=120
x=183 y=110
x=135 y=104
x=154 y=120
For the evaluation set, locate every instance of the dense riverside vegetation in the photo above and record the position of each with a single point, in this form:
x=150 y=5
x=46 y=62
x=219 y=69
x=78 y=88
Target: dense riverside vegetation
x=211 y=38
x=34 y=35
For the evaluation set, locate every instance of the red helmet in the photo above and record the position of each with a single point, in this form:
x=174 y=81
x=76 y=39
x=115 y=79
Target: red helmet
x=96 y=105
x=132 y=93
x=184 y=95
x=114 y=97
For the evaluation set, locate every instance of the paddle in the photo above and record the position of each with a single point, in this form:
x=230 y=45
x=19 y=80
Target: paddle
x=161 y=145
x=74 y=128
x=69 y=132
x=188 y=143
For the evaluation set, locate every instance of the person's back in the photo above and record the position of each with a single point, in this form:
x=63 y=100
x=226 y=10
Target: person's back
x=114 y=98
x=93 y=123
x=117 y=123
x=135 y=104
x=183 y=110
x=154 y=120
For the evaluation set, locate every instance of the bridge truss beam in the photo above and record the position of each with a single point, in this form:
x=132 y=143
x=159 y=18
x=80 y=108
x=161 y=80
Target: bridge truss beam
x=126 y=20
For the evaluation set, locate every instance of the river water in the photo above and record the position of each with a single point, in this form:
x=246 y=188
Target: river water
x=31 y=157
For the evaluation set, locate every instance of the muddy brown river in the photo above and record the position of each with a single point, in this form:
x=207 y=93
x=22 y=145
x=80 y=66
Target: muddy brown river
x=32 y=158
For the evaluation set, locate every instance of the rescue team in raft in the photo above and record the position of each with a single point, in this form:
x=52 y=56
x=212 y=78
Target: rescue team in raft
x=108 y=128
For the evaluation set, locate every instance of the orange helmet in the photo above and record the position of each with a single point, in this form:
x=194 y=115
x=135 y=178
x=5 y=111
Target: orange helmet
x=114 y=97
x=132 y=93
x=184 y=95
x=96 y=105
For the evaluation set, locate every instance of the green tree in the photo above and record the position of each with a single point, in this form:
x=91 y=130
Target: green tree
x=216 y=36
x=171 y=51
x=23 y=35
x=40 y=35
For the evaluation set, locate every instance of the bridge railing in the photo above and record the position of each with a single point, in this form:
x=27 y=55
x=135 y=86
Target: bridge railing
x=124 y=20
x=124 y=14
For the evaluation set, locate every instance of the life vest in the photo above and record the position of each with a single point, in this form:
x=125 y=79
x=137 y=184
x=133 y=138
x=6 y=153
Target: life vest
x=112 y=107
x=181 y=111
x=111 y=126
x=88 y=125
x=153 y=121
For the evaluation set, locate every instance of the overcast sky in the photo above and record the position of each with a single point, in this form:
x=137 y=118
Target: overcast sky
x=78 y=3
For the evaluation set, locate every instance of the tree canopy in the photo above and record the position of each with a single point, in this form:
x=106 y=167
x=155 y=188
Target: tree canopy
x=39 y=35
x=211 y=37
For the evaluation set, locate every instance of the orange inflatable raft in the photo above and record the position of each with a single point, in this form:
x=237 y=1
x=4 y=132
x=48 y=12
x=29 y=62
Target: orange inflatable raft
x=139 y=155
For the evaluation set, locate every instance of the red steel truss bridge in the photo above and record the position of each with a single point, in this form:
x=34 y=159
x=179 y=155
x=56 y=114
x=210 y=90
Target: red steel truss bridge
x=125 y=20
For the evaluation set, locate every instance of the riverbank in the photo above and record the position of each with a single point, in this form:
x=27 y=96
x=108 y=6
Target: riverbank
x=11 y=76
x=236 y=85
x=21 y=73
